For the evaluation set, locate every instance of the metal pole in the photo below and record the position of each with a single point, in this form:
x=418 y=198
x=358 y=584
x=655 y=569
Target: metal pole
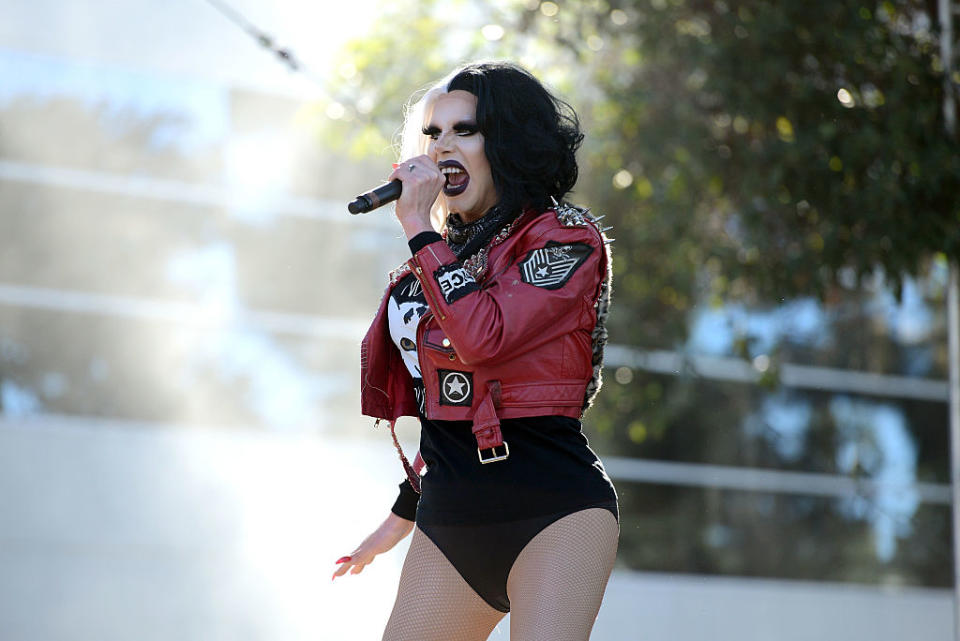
x=953 y=360
x=953 y=311
x=946 y=54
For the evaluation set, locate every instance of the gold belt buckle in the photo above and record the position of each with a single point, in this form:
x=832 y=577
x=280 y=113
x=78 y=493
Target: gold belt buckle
x=495 y=457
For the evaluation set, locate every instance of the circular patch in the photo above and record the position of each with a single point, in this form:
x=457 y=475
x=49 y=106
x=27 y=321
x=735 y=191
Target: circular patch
x=455 y=387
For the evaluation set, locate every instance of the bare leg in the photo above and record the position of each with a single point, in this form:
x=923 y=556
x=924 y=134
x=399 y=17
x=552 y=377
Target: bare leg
x=434 y=603
x=557 y=582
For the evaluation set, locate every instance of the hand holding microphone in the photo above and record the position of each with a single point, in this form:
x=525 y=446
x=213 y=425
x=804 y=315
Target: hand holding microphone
x=419 y=181
x=391 y=190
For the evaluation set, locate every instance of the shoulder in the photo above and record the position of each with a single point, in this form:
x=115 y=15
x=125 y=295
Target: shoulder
x=560 y=245
x=563 y=223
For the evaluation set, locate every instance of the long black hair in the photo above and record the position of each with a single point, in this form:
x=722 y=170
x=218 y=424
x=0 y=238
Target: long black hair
x=530 y=136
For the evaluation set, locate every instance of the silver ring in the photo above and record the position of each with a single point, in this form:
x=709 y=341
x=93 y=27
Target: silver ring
x=411 y=166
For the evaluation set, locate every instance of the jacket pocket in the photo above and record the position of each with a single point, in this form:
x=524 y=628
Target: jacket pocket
x=438 y=347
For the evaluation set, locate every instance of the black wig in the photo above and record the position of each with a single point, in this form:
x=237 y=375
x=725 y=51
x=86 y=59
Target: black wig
x=530 y=136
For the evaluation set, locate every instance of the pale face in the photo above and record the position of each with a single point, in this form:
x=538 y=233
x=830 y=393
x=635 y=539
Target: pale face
x=456 y=145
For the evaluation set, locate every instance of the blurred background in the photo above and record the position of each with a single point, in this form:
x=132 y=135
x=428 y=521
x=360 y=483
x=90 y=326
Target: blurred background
x=182 y=296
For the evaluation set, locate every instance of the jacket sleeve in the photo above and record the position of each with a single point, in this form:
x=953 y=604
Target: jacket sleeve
x=551 y=282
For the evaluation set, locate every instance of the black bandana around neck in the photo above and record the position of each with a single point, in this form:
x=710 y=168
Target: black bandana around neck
x=465 y=239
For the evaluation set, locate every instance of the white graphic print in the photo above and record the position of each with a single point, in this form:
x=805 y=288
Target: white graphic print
x=412 y=290
x=550 y=267
x=405 y=308
x=421 y=396
x=454 y=282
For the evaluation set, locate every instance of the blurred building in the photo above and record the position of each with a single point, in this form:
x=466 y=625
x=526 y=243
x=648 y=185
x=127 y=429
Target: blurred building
x=179 y=252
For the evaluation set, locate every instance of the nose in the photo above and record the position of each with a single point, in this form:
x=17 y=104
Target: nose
x=444 y=142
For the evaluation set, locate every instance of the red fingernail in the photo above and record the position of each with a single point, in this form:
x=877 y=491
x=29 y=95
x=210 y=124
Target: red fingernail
x=343 y=559
x=395 y=165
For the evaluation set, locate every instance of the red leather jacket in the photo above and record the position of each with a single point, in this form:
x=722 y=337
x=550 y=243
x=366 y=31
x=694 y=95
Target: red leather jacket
x=515 y=341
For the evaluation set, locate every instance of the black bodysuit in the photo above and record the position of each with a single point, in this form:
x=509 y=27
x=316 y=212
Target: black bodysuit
x=482 y=516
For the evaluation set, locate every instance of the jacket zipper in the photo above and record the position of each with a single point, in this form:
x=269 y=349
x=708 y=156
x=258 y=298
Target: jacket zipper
x=426 y=292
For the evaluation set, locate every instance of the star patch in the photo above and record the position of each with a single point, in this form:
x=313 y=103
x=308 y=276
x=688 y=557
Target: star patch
x=551 y=266
x=456 y=388
x=455 y=282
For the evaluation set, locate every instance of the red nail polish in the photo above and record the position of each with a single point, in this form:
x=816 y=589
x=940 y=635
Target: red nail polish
x=395 y=165
x=343 y=559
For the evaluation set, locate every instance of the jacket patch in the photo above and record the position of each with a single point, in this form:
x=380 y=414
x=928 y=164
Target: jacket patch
x=456 y=388
x=551 y=266
x=455 y=282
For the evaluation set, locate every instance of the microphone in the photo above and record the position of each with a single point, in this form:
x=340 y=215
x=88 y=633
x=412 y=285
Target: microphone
x=385 y=193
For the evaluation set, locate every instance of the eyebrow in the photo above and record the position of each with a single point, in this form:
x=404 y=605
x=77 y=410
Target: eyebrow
x=463 y=125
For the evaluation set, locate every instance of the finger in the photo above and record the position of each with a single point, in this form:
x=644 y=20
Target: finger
x=341 y=570
x=419 y=164
x=402 y=172
x=409 y=171
x=425 y=164
x=427 y=161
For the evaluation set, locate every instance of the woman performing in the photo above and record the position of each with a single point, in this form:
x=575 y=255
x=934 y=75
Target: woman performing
x=492 y=334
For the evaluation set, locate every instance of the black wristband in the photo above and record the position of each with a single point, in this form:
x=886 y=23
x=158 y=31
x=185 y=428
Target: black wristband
x=406 y=504
x=423 y=239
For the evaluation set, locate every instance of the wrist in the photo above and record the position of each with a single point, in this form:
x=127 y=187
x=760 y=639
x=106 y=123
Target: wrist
x=416 y=226
x=398 y=526
x=421 y=240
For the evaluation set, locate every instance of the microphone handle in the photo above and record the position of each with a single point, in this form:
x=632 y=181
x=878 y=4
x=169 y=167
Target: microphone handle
x=385 y=193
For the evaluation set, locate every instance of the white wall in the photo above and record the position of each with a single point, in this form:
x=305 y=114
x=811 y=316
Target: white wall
x=663 y=607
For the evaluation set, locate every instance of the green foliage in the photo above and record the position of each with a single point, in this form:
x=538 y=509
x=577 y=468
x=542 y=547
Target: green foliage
x=821 y=121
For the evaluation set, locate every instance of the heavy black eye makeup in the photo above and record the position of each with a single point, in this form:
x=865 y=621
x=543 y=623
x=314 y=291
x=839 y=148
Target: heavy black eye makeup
x=461 y=129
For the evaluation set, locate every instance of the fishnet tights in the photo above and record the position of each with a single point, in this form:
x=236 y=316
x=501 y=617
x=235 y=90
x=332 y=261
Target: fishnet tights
x=555 y=587
x=434 y=603
x=557 y=582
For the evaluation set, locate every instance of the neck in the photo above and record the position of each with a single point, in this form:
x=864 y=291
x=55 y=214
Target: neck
x=466 y=237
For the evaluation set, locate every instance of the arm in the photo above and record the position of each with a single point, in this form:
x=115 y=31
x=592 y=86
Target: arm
x=397 y=525
x=553 y=279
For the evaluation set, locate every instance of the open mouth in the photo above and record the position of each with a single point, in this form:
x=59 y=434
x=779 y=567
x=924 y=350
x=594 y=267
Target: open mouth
x=457 y=177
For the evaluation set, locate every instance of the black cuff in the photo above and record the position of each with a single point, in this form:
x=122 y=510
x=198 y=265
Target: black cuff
x=406 y=504
x=423 y=239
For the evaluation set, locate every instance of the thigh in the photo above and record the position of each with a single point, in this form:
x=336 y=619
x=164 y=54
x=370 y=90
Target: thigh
x=434 y=603
x=557 y=582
